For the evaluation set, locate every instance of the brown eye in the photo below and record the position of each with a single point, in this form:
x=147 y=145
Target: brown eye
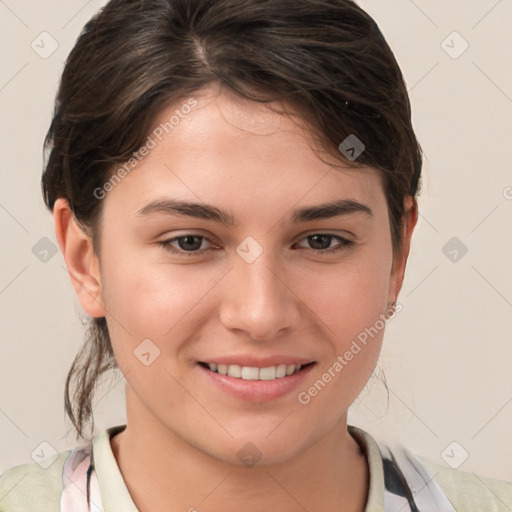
x=188 y=244
x=321 y=242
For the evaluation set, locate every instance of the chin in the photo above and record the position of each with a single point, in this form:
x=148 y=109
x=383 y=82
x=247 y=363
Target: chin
x=253 y=449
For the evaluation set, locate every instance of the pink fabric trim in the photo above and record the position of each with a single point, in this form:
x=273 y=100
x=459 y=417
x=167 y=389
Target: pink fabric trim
x=80 y=487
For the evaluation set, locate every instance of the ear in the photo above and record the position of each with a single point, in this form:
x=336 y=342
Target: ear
x=81 y=262
x=400 y=258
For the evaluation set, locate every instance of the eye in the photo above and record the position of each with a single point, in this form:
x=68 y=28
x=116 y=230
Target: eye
x=192 y=244
x=189 y=244
x=321 y=243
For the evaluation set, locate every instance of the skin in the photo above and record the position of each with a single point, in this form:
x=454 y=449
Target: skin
x=180 y=447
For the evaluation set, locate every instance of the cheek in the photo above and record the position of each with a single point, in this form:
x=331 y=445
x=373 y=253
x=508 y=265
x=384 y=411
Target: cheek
x=151 y=300
x=349 y=302
x=349 y=296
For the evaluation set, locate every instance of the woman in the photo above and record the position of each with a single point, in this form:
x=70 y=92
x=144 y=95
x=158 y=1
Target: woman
x=233 y=187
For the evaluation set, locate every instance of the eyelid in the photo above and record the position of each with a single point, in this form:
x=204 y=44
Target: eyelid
x=344 y=243
x=333 y=232
x=298 y=238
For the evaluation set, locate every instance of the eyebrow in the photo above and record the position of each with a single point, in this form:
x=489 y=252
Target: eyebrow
x=205 y=211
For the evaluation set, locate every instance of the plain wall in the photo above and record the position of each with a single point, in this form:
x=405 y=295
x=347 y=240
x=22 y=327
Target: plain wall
x=447 y=354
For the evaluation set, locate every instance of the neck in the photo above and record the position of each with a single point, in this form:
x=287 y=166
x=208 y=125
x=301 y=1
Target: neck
x=163 y=472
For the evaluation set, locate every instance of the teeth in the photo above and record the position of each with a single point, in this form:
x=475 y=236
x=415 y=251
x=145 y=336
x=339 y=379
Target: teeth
x=268 y=373
x=250 y=373
x=290 y=369
x=234 y=370
x=253 y=373
x=281 y=370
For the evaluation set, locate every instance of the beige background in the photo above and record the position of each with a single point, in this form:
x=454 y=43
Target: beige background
x=446 y=356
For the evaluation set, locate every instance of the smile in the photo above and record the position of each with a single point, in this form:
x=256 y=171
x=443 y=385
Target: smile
x=253 y=380
x=255 y=373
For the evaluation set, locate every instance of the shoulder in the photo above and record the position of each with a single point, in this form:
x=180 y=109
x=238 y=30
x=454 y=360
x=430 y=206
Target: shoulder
x=33 y=487
x=469 y=492
x=403 y=480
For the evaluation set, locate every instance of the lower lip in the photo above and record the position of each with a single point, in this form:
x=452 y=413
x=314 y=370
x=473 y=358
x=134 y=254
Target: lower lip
x=257 y=390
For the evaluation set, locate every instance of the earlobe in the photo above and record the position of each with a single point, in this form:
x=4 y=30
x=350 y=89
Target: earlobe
x=82 y=264
x=400 y=260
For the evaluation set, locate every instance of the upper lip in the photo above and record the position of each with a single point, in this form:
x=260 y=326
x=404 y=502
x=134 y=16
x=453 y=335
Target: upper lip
x=256 y=361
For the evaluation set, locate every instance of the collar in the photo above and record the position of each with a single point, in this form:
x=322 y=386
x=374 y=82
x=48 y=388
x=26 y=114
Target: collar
x=398 y=480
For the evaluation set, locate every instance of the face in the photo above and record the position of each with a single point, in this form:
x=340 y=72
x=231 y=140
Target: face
x=254 y=280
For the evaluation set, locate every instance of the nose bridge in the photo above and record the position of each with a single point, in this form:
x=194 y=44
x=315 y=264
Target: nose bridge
x=258 y=299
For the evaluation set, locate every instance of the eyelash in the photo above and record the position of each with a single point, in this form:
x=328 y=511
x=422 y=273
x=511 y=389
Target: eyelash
x=344 y=244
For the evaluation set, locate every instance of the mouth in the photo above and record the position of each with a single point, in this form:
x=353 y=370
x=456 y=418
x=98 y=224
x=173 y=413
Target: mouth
x=277 y=372
x=256 y=380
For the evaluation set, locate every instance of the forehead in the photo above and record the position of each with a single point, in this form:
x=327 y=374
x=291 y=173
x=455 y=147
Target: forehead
x=220 y=147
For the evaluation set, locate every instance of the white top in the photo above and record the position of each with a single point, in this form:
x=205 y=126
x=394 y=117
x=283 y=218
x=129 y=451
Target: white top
x=399 y=481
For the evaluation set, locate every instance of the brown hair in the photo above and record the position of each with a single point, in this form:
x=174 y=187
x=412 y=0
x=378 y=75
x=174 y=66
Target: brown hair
x=326 y=58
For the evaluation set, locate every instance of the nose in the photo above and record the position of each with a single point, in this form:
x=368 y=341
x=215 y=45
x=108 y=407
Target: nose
x=257 y=299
